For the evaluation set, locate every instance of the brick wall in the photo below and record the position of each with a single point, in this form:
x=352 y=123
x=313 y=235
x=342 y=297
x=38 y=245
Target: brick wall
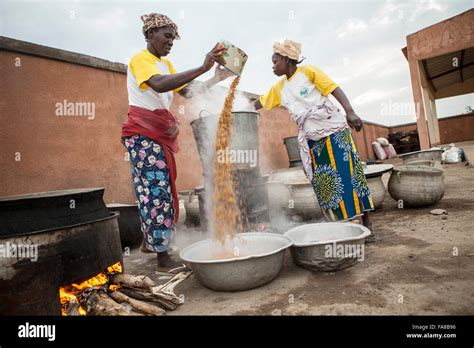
x=41 y=151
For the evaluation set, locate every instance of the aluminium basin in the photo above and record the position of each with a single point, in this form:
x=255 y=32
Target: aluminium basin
x=255 y=259
x=329 y=246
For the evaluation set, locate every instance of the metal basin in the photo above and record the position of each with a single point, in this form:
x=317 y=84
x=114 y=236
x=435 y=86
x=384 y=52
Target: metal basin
x=328 y=246
x=255 y=259
x=430 y=155
x=416 y=186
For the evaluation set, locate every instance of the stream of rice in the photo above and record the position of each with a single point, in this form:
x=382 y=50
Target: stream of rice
x=227 y=215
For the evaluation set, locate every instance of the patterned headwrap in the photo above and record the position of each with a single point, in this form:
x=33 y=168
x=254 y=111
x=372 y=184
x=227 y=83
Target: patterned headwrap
x=156 y=20
x=288 y=48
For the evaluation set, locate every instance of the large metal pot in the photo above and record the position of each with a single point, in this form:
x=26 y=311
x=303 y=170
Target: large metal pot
x=303 y=200
x=278 y=197
x=317 y=246
x=430 y=155
x=244 y=139
x=255 y=259
x=204 y=199
x=64 y=255
x=416 y=186
x=377 y=190
x=287 y=174
x=291 y=193
x=373 y=174
x=131 y=234
x=427 y=163
x=253 y=194
x=191 y=204
x=46 y=210
x=293 y=150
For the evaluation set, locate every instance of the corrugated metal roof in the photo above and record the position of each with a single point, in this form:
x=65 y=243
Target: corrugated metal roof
x=449 y=69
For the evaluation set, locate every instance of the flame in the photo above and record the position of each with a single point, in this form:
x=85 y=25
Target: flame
x=70 y=293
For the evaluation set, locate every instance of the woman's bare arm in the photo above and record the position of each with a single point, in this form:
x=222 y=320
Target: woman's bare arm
x=197 y=87
x=166 y=83
x=341 y=97
x=353 y=120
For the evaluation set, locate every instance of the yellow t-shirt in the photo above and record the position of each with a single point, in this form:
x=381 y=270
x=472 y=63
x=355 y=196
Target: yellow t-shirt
x=141 y=68
x=305 y=96
x=308 y=85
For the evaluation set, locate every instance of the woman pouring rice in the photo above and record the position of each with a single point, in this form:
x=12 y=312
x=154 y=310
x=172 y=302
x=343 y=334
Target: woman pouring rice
x=150 y=132
x=327 y=150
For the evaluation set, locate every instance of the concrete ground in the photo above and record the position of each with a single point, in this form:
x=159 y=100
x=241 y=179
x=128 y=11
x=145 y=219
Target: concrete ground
x=424 y=264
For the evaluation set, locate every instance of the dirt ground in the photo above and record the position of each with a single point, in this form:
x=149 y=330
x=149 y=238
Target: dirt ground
x=423 y=264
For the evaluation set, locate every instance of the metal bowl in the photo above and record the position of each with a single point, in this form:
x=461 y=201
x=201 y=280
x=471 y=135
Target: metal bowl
x=430 y=155
x=328 y=246
x=256 y=259
x=416 y=186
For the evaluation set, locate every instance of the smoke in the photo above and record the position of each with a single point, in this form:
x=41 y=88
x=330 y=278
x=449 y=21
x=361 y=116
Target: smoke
x=186 y=236
x=212 y=102
x=243 y=103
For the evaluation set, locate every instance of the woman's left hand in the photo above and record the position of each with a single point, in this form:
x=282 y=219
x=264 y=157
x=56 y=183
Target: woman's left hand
x=222 y=73
x=354 y=121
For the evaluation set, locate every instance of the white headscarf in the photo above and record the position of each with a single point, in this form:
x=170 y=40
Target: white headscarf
x=288 y=48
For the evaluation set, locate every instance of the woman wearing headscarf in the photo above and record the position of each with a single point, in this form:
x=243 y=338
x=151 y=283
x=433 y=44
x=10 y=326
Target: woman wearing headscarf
x=150 y=132
x=327 y=150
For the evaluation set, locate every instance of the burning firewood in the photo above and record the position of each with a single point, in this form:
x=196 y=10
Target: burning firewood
x=137 y=305
x=72 y=308
x=112 y=293
x=99 y=303
x=132 y=281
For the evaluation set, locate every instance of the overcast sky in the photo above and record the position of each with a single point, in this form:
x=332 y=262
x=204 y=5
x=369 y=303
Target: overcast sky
x=357 y=43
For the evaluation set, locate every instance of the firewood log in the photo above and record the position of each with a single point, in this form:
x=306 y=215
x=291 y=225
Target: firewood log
x=137 y=305
x=132 y=281
x=99 y=303
x=162 y=295
x=162 y=300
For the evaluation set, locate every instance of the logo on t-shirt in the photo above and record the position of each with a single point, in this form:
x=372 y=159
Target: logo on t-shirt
x=304 y=92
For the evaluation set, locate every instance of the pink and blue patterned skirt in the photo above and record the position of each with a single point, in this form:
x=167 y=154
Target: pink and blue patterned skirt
x=150 y=175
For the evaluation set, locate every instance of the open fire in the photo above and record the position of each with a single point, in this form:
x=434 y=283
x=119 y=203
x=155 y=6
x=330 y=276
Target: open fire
x=70 y=295
x=113 y=292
